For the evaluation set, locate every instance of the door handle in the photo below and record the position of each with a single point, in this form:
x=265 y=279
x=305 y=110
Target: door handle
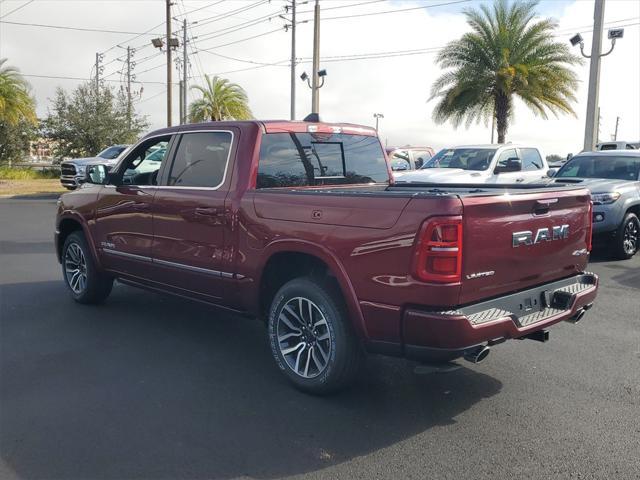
x=206 y=212
x=519 y=179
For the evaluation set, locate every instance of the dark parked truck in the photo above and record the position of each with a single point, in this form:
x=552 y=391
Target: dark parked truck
x=300 y=224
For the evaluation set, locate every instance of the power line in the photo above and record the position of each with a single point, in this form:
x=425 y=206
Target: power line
x=240 y=40
x=198 y=9
x=230 y=13
x=17 y=8
x=146 y=44
x=60 y=77
x=79 y=29
x=138 y=102
x=400 y=10
x=265 y=64
x=238 y=26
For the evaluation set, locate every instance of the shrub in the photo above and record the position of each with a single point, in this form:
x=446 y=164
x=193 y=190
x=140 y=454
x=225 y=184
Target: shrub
x=7 y=173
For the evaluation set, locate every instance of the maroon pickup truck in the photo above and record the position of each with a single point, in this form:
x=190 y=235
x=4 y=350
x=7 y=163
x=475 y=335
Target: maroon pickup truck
x=301 y=224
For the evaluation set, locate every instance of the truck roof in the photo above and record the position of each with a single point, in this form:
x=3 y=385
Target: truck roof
x=275 y=126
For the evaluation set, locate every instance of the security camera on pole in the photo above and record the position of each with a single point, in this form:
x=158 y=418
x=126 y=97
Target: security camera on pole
x=592 y=123
x=317 y=75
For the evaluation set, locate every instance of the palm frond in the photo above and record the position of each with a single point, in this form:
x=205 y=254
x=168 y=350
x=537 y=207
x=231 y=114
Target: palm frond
x=507 y=52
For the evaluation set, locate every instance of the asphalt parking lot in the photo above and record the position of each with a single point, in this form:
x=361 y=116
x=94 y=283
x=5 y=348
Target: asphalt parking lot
x=152 y=387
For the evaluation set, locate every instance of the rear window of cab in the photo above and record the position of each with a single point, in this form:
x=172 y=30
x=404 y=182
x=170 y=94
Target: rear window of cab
x=310 y=159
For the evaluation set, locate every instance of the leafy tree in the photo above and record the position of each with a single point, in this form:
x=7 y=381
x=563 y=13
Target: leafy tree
x=17 y=114
x=506 y=53
x=15 y=140
x=16 y=103
x=554 y=158
x=221 y=100
x=89 y=119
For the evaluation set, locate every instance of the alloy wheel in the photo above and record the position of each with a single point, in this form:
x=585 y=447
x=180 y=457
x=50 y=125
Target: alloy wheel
x=631 y=237
x=304 y=338
x=75 y=268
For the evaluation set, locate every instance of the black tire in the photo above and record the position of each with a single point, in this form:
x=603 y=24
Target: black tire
x=341 y=352
x=69 y=188
x=94 y=286
x=627 y=237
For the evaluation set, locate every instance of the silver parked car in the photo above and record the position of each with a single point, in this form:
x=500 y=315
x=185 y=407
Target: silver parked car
x=613 y=177
x=72 y=172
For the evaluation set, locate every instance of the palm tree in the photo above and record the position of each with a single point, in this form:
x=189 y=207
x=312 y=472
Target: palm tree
x=221 y=100
x=16 y=103
x=506 y=53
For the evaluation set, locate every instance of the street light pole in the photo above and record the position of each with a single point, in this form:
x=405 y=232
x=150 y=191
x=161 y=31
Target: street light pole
x=591 y=125
x=593 y=114
x=377 y=116
x=169 y=66
x=315 y=78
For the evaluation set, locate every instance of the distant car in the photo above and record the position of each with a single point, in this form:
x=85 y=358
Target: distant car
x=408 y=158
x=616 y=145
x=613 y=177
x=72 y=172
x=506 y=163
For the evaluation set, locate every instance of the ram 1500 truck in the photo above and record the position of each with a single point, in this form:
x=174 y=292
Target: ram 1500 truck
x=300 y=224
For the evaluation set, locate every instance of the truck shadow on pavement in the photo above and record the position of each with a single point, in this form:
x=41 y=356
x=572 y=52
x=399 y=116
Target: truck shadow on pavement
x=155 y=387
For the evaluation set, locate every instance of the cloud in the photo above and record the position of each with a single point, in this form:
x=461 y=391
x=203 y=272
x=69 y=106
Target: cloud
x=354 y=90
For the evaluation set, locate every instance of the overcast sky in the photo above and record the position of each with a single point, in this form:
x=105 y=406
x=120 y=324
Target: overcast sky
x=396 y=85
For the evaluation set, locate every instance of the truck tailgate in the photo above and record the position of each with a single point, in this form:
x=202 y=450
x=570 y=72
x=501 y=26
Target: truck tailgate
x=510 y=242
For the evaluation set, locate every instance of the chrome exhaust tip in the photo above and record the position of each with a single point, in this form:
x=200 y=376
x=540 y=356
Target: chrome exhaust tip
x=477 y=354
x=578 y=316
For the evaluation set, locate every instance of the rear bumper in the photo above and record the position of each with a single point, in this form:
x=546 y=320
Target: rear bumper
x=445 y=335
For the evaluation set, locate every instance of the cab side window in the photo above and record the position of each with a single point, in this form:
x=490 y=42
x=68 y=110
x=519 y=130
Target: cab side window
x=143 y=163
x=531 y=159
x=201 y=160
x=505 y=156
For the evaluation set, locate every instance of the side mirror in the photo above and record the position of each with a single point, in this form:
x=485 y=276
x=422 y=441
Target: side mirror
x=97 y=174
x=513 y=164
x=552 y=172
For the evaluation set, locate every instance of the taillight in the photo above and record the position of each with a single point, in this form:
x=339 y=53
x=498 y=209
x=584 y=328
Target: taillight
x=438 y=256
x=589 y=238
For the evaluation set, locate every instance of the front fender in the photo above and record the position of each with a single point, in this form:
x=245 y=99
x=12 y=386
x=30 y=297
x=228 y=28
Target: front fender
x=77 y=218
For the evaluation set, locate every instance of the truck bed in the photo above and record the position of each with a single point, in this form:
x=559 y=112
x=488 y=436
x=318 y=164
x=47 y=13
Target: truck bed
x=427 y=189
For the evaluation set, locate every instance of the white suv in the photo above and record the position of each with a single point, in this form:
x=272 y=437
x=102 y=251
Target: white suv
x=506 y=163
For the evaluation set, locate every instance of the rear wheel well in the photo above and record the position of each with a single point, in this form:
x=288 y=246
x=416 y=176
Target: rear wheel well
x=285 y=266
x=66 y=228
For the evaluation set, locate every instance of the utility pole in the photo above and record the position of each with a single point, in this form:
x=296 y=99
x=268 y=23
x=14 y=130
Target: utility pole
x=185 y=65
x=169 y=66
x=315 y=89
x=591 y=126
x=615 y=135
x=97 y=73
x=293 y=59
x=129 y=86
x=181 y=102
